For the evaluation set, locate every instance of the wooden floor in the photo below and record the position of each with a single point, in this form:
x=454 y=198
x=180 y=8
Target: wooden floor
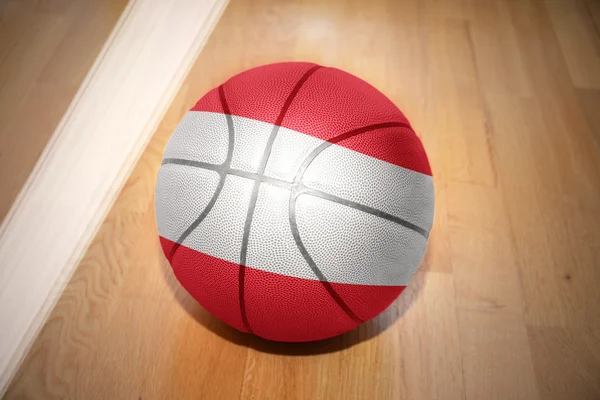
x=46 y=49
x=506 y=97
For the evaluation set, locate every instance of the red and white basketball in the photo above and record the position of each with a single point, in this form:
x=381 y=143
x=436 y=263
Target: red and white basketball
x=294 y=202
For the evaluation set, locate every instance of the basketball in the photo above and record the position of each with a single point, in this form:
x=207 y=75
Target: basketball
x=294 y=202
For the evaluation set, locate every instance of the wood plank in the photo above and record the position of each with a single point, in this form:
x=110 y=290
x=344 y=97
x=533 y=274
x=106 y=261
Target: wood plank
x=549 y=220
x=578 y=40
x=495 y=350
x=593 y=9
x=590 y=104
x=565 y=367
x=548 y=73
x=428 y=347
x=549 y=166
x=549 y=210
x=500 y=67
x=461 y=122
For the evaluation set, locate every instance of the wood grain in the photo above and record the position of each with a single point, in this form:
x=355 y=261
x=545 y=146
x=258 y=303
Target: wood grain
x=578 y=40
x=505 y=305
x=489 y=299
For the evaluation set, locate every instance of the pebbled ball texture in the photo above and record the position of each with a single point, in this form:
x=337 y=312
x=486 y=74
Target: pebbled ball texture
x=294 y=202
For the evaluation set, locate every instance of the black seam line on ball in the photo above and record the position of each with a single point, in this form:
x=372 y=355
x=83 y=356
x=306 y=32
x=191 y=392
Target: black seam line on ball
x=300 y=190
x=237 y=172
x=363 y=208
x=265 y=159
x=255 y=189
x=310 y=158
x=222 y=176
x=313 y=266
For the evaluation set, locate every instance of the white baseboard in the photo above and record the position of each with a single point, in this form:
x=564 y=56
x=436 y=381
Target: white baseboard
x=91 y=153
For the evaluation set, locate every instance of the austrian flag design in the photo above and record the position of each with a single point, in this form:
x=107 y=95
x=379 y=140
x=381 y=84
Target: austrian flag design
x=294 y=202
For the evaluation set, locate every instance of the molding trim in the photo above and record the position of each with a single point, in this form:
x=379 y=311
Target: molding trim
x=91 y=153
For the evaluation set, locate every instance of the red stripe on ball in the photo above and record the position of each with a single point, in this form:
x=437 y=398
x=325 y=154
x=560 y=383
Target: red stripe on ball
x=278 y=307
x=330 y=103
